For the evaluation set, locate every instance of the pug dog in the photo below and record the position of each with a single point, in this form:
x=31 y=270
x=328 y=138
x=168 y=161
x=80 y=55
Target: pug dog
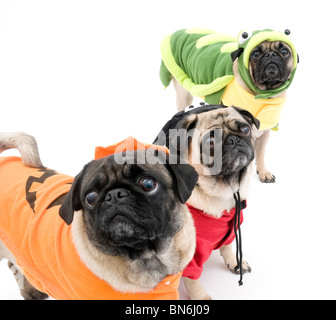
x=219 y=143
x=253 y=73
x=119 y=230
x=271 y=65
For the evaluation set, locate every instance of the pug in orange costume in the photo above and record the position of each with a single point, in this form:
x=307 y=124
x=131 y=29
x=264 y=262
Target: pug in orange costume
x=119 y=230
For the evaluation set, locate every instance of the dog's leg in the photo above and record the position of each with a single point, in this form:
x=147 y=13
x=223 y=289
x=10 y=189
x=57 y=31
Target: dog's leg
x=28 y=292
x=3 y=250
x=231 y=261
x=264 y=175
x=5 y=253
x=183 y=97
x=195 y=289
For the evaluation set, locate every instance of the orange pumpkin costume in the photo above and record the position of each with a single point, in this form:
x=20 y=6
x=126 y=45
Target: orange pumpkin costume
x=31 y=228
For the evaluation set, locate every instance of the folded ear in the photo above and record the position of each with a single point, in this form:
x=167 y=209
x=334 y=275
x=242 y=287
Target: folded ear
x=248 y=116
x=236 y=54
x=72 y=202
x=185 y=178
x=177 y=138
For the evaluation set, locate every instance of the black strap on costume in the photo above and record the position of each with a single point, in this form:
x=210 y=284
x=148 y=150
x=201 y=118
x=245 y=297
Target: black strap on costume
x=239 y=251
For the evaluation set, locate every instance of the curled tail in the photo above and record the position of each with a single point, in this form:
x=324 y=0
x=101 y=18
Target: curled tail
x=26 y=145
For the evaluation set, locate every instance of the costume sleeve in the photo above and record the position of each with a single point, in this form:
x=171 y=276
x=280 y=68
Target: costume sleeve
x=195 y=267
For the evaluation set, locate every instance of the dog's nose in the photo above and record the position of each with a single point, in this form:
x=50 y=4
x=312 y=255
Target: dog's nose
x=233 y=141
x=116 y=195
x=270 y=54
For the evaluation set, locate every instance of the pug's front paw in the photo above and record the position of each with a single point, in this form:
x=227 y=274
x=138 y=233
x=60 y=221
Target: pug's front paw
x=266 y=176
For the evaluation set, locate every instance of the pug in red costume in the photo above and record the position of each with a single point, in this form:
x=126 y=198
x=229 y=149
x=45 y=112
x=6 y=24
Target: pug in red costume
x=118 y=230
x=219 y=142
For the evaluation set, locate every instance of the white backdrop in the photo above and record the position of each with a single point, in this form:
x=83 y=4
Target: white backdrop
x=81 y=73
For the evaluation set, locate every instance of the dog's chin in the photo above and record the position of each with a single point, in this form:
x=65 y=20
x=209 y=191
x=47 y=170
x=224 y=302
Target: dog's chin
x=233 y=165
x=126 y=238
x=269 y=83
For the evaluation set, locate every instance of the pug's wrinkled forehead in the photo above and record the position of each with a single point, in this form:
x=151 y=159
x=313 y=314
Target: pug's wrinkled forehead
x=122 y=163
x=216 y=112
x=219 y=119
x=178 y=118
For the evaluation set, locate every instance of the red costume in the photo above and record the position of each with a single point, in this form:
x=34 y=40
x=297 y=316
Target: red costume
x=211 y=234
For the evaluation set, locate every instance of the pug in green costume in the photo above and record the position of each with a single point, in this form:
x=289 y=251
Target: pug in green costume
x=252 y=73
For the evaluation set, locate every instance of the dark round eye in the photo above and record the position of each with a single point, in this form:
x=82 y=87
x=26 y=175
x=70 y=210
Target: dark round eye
x=284 y=51
x=255 y=54
x=245 y=129
x=149 y=185
x=209 y=142
x=91 y=198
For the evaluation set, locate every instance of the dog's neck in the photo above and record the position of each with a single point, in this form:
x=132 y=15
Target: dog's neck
x=211 y=205
x=138 y=275
x=113 y=269
x=215 y=199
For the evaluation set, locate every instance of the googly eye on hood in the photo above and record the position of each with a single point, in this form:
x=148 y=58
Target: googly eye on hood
x=244 y=36
x=287 y=32
x=193 y=106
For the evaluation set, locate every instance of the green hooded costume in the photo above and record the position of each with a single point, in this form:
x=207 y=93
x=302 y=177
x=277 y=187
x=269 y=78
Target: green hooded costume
x=202 y=62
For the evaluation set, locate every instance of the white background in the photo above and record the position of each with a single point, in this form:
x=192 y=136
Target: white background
x=77 y=74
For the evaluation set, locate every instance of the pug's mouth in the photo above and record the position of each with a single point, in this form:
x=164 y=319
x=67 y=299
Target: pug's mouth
x=123 y=236
x=271 y=76
x=144 y=239
x=235 y=162
x=237 y=155
x=240 y=161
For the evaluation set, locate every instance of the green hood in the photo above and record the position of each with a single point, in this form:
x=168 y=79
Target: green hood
x=248 y=45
